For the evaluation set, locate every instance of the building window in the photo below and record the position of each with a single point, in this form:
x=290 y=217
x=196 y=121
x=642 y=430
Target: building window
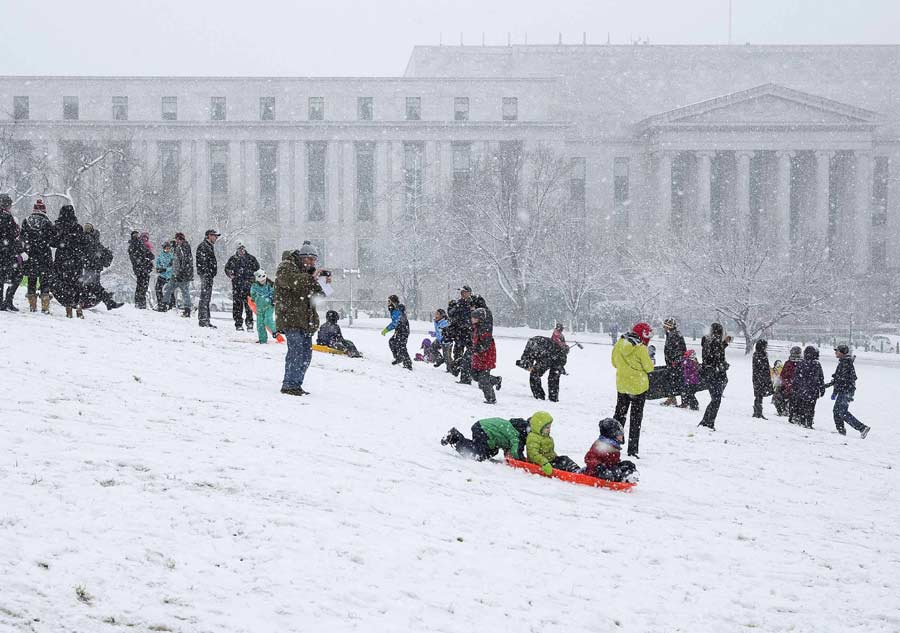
x=365 y=108
x=120 y=108
x=217 y=108
x=316 y=154
x=365 y=181
x=413 y=176
x=414 y=108
x=20 y=108
x=462 y=163
x=267 y=108
x=268 y=179
x=218 y=174
x=170 y=108
x=510 y=108
x=577 y=176
x=365 y=252
x=70 y=108
x=316 y=108
x=169 y=171
x=461 y=109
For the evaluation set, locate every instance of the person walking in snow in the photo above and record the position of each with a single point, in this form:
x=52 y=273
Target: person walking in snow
x=262 y=292
x=489 y=436
x=182 y=275
x=240 y=269
x=12 y=255
x=714 y=371
x=163 y=264
x=38 y=234
x=297 y=285
x=484 y=354
x=632 y=361
x=808 y=386
x=207 y=269
x=690 y=370
x=762 y=377
x=673 y=354
x=542 y=355
x=96 y=258
x=844 y=382
x=141 y=256
x=68 y=264
x=399 y=325
x=330 y=335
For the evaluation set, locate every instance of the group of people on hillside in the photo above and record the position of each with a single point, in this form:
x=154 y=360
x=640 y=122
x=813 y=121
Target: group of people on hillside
x=530 y=440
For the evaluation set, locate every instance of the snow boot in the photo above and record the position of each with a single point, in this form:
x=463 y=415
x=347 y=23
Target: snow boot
x=498 y=381
x=239 y=328
x=9 y=299
x=670 y=402
x=79 y=313
x=187 y=313
x=45 y=303
x=68 y=312
x=32 y=303
x=292 y=392
x=864 y=432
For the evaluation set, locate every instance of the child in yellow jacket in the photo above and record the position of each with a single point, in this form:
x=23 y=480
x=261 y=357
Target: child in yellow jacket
x=540 y=447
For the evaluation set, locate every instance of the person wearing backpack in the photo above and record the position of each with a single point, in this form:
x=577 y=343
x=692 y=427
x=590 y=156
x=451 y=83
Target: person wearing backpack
x=97 y=257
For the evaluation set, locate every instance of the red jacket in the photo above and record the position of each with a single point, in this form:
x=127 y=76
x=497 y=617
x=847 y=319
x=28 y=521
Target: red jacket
x=788 y=370
x=601 y=453
x=484 y=351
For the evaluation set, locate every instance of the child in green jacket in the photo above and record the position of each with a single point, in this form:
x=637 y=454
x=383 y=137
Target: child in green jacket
x=263 y=294
x=541 y=449
x=488 y=437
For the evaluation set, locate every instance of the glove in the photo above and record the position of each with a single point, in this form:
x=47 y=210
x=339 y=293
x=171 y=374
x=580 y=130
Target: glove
x=432 y=334
x=384 y=331
x=547 y=469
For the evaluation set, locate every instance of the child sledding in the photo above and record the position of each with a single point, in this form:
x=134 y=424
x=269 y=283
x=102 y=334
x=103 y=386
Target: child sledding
x=330 y=336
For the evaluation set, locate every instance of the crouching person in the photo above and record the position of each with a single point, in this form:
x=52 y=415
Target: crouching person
x=330 y=335
x=603 y=458
x=489 y=436
x=540 y=447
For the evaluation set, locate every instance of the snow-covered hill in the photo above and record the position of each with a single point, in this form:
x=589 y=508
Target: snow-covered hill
x=153 y=478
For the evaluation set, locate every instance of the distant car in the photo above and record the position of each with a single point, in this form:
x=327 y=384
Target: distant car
x=884 y=343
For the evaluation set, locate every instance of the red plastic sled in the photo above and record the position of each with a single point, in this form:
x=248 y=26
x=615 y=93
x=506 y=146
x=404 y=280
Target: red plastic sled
x=277 y=337
x=574 y=478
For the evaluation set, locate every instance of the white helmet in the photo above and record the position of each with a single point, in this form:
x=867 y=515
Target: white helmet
x=260 y=275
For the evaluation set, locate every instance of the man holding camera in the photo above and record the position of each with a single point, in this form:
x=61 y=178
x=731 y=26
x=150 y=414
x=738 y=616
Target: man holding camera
x=297 y=284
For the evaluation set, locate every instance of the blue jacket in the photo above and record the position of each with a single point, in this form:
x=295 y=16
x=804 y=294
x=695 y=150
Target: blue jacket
x=263 y=295
x=399 y=321
x=164 y=262
x=438 y=326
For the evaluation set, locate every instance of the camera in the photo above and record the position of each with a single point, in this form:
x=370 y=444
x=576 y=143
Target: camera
x=324 y=273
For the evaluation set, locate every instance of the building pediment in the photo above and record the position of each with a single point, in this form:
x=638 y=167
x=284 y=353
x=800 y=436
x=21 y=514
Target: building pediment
x=769 y=105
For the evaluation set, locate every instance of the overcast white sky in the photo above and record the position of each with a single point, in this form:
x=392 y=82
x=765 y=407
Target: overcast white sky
x=374 y=37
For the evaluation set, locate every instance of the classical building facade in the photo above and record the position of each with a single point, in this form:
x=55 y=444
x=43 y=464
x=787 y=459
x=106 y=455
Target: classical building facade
x=780 y=141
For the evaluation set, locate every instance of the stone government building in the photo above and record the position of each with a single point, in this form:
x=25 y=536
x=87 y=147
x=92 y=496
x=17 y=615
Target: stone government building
x=792 y=140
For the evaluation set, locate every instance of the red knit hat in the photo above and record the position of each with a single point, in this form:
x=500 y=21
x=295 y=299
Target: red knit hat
x=644 y=331
x=39 y=206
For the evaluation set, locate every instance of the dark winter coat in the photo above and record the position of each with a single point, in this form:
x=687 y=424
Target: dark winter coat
x=96 y=255
x=674 y=349
x=10 y=246
x=713 y=360
x=484 y=350
x=543 y=352
x=788 y=371
x=809 y=382
x=399 y=322
x=141 y=257
x=38 y=234
x=68 y=266
x=762 y=377
x=207 y=265
x=295 y=290
x=240 y=269
x=329 y=335
x=844 y=377
x=183 y=264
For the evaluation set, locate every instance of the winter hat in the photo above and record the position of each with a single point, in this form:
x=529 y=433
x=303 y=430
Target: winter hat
x=393 y=300
x=67 y=213
x=331 y=316
x=179 y=236
x=796 y=352
x=761 y=345
x=260 y=275
x=39 y=206
x=843 y=349
x=717 y=330
x=539 y=420
x=610 y=428
x=810 y=353
x=88 y=227
x=670 y=323
x=690 y=353
x=479 y=313
x=644 y=331
x=559 y=326
x=307 y=250
x=240 y=245
x=426 y=343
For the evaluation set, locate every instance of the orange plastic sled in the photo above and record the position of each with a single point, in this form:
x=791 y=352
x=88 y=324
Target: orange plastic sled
x=575 y=478
x=276 y=336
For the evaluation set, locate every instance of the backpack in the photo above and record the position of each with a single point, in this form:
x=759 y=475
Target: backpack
x=105 y=257
x=522 y=427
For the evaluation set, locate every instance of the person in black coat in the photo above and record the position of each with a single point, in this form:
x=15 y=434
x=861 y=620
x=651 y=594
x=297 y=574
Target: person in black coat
x=141 y=257
x=844 y=382
x=68 y=265
x=207 y=269
x=808 y=386
x=673 y=352
x=330 y=335
x=38 y=234
x=182 y=275
x=714 y=371
x=541 y=355
x=96 y=258
x=12 y=255
x=240 y=268
x=762 y=377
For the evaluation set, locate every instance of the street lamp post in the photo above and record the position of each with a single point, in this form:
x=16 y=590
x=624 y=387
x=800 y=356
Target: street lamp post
x=351 y=272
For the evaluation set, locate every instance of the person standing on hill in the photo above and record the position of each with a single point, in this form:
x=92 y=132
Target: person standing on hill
x=673 y=353
x=632 y=361
x=163 y=265
x=762 y=377
x=297 y=285
x=38 y=234
x=844 y=382
x=714 y=371
x=484 y=354
x=141 y=256
x=240 y=269
x=542 y=355
x=12 y=255
x=788 y=372
x=808 y=386
x=399 y=325
x=68 y=265
x=96 y=258
x=182 y=275
x=207 y=269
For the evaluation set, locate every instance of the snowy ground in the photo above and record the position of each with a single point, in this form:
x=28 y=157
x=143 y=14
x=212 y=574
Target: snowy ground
x=153 y=478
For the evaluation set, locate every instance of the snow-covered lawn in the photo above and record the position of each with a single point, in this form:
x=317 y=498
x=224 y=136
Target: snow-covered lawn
x=153 y=478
